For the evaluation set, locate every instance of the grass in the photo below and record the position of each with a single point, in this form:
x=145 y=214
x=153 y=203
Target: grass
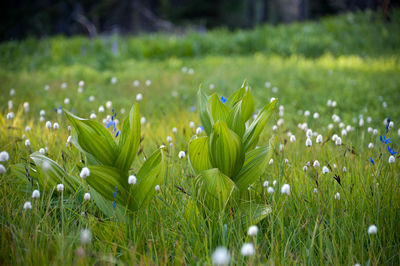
x=306 y=227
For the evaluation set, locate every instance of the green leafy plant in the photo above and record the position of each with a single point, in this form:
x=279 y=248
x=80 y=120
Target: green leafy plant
x=227 y=161
x=109 y=160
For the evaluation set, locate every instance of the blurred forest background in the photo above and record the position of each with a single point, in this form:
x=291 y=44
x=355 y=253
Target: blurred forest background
x=41 y=18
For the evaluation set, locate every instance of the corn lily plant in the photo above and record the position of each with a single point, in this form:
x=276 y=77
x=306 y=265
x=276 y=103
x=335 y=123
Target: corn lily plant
x=227 y=161
x=109 y=159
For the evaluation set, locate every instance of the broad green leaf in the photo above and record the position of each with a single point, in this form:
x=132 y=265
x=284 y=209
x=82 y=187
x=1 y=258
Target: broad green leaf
x=198 y=154
x=129 y=140
x=89 y=157
x=237 y=96
x=247 y=105
x=151 y=173
x=218 y=110
x=226 y=149
x=106 y=206
x=252 y=212
x=254 y=165
x=94 y=139
x=106 y=180
x=215 y=189
x=252 y=134
x=205 y=116
x=50 y=173
x=235 y=120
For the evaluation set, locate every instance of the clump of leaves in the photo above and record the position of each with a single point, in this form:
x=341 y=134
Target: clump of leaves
x=227 y=161
x=109 y=160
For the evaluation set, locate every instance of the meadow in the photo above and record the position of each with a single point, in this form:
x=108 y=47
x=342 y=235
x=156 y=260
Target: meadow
x=336 y=201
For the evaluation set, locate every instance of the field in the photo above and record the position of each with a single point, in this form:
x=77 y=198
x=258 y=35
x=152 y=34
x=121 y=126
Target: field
x=352 y=60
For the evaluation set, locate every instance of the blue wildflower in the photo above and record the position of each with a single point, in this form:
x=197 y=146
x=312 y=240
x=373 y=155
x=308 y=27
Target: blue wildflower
x=372 y=161
x=385 y=140
x=109 y=124
x=117 y=134
x=223 y=99
x=193 y=108
x=114 y=204
x=387 y=124
x=391 y=150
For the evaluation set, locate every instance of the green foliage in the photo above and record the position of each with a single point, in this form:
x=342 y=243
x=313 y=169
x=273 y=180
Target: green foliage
x=225 y=161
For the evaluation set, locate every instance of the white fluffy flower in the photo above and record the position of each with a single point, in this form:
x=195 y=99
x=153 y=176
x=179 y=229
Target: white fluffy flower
x=274 y=128
x=56 y=126
x=271 y=161
x=370 y=130
x=338 y=141
x=42 y=113
x=142 y=120
x=270 y=190
x=35 y=194
x=86 y=196
x=309 y=133
x=319 y=139
x=391 y=124
x=265 y=184
x=247 y=249
x=81 y=83
x=108 y=104
x=27 y=205
x=181 y=154
x=60 y=187
x=27 y=143
x=148 y=82
x=2 y=169
x=285 y=189
x=316 y=115
x=136 y=83
x=174 y=130
x=221 y=256
x=337 y=196
x=305 y=168
x=66 y=101
x=157 y=188
x=253 y=230
x=292 y=138
x=391 y=159
x=307 y=113
x=169 y=139
x=308 y=142
x=48 y=124
x=139 y=97
x=316 y=164
x=10 y=116
x=86 y=236
x=325 y=170
x=4 y=156
x=372 y=229
x=101 y=109
x=370 y=145
x=344 y=132
x=191 y=124
x=93 y=116
x=132 y=180
x=85 y=172
x=198 y=131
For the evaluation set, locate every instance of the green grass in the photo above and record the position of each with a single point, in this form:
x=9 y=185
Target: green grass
x=305 y=227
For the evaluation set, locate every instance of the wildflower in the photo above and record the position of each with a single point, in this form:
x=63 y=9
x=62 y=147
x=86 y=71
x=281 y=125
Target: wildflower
x=309 y=133
x=286 y=161
x=157 y=188
x=46 y=87
x=66 y=101
x=338 y=141
x=305 y=168
x=319 y=139
x=372 y=161
x=315 y=190
x=274 y=128
x=2 y=169
x=191 y=124
x=27 y=143
x=48 y=124
x=370 y=130
x=10 y=116
x=4 y=156
x=148 y=82
x=42 y=112
x=81 y=83
x=136 y=83
x=334 y=137
x=93 y=116
x=27 y=205
x=274 y=89
x=337 y=196
x=252 y=231
x=139 y=97
x=348 y=128
x=372 y=229
x=56 y=126
x=344 y=132
x=375 y=131
x=316 y=164
x=86 y=236
x=272 y=99
x=385 y=140
x=109 y=105
x=86 y=196
x=344 y=169
x=101 y=109
x=325 y=170
x=280 y=122
x=391 y=159
x=265 y=184
x=371 y=145
x=114 y=80
x=391 y=150
x=132 y=180
x=270 y=190
x=308 y=142
x=247 y=249
x=35 y=194
x=361 y=122
x=307 y=113
x=267 y=84
x=174 y=130
x=271 y=161
x=316 y=115
x=330 y=126
x=221 y=256
x=142 y=120
x=223 y=99
x=285 y=189
x=85 y=172
x=181 y=154
x=60 y=187
x=292 y=138
x=63 y=85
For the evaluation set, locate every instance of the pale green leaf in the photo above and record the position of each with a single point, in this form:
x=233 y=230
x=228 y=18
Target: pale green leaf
x=205 y=116
x=218 y=110
x=198 y=154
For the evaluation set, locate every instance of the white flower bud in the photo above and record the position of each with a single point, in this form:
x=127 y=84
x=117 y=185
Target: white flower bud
x=85 y=172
